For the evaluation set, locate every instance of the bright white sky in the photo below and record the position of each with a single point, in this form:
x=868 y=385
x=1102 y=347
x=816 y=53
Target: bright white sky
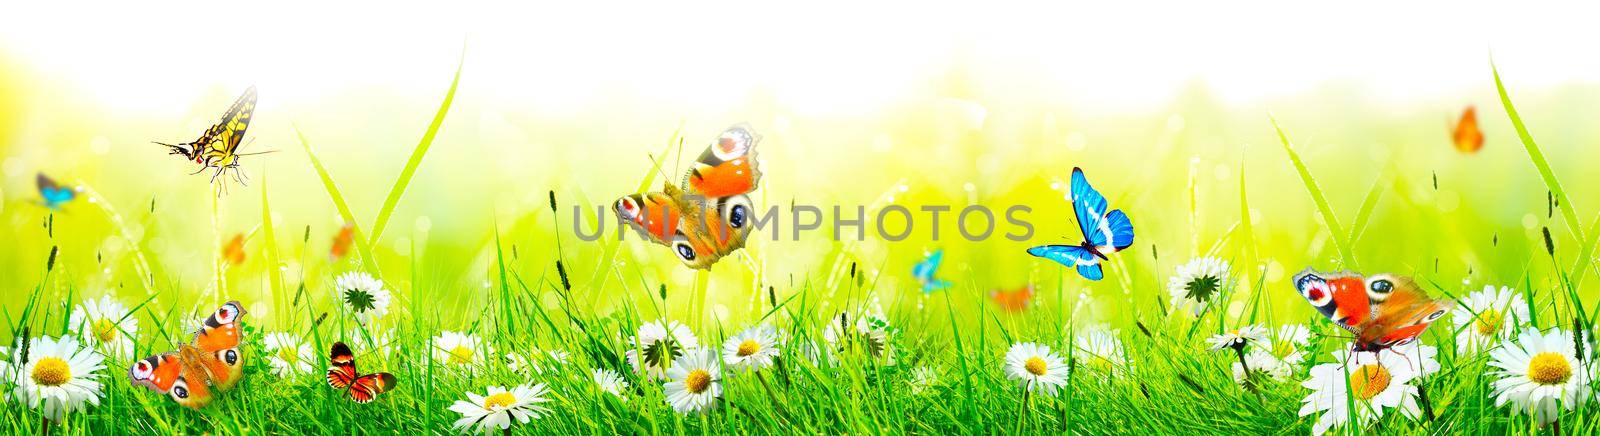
x=1120 y=55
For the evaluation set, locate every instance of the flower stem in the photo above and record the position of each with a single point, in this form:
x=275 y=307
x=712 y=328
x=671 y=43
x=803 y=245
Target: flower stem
x=776 y=405
x=1427 y=407
x=1022 y=409
x=1246 y=366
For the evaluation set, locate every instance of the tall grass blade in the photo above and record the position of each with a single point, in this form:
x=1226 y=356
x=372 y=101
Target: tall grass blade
x=1537 y=156
x=1336 y=232
x=362 y=246
x=416 y=156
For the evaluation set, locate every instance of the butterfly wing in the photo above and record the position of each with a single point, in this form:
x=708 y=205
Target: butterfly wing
x=342 y=371
x=234 y=251
x=1086 y=262
x=218 y=339
x=924 y=272
x=1014 y=300
x=1341 y=297
x=718 y=213
x=728 y=167
x=342 y=241
x=1466 y=137
x=1401 y=312
x=53 y=194
x=367 y=387
x=1109 y=231
x=233 y=125
x=167 y=374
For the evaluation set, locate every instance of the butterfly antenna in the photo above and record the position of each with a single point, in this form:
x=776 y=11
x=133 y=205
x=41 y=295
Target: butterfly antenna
x=657 y=166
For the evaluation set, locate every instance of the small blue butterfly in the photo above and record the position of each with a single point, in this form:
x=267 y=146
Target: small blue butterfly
x=925 y=269
x=1104 y=232
x=53 y=195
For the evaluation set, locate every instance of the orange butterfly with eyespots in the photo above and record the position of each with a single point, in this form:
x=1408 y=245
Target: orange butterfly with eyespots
x=709 y=216
x=212 y=361
x=362 y=388
x=1383 y=310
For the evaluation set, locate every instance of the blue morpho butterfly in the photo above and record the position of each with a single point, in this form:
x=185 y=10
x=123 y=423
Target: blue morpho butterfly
x=925 y=269
x=53 y=195
x=1104 y=231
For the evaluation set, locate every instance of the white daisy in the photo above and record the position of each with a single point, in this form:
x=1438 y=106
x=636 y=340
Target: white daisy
x=1539 y=374
x=696 y=381
x=1197 y=283
x=1238 y=338
x=1423 y=359
x=611 y=382
x=1289 y=341
x=661 y=341
x=288 y=356
x=1488 y=317
x=496 y=409
x=752 y=349
x=923 y=378
x=59 y=377
x=866 y=330
x=362 y=295
x=1100 y=350
x=524 y=365
x=1372 y=381
x=459 y=350
x=1262 y=364
x=105 y=325
x=1036 y=367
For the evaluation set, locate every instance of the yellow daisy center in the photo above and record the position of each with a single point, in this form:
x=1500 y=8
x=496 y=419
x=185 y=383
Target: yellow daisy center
x=503 y=399
x=1489 y=322
x=748 y=347
x=52 y=371
x=1369 y=380
x=1282 y=349
x=105 y=330
x=289 y=355
x=1035 y=365
x=1549 y=368
x=697 y=381
x=461 y=355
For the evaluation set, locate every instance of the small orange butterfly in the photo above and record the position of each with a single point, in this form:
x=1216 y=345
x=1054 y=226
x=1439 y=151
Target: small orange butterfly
x=234 y=251
x=1015 y=300
x=341 y=242
x=1467 y=137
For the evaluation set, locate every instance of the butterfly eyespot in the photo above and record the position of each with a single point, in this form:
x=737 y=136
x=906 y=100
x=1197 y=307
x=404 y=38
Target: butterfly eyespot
x=736 y=216
x=230 y=356
x=627 y=208
x=1382 y=286
x=683 y=250
x=732 y=143
x=180 y=391
x=1434 y=316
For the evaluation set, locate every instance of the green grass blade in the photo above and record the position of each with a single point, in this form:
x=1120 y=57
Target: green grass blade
x=270 y=238
x=416 y=156
x=1337 y=233
x=1537 y=156
x=362 y=246
x=1367 y=206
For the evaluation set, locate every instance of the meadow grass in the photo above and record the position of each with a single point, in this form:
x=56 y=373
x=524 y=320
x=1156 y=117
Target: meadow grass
x=1163 y=381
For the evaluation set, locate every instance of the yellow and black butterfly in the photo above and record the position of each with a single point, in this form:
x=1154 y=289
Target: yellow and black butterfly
x=217 y=147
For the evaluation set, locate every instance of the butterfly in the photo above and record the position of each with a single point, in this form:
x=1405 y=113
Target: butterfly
x=52 y=194
x=343 y=376
x=212 y=361
x=1015 y=300
x=1467 y=137
x=925 y=270
x=709 y=216
x=218 y=146
x=234 y=251
x=1383 y=310
x=341 y=242
x=1104 y=231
